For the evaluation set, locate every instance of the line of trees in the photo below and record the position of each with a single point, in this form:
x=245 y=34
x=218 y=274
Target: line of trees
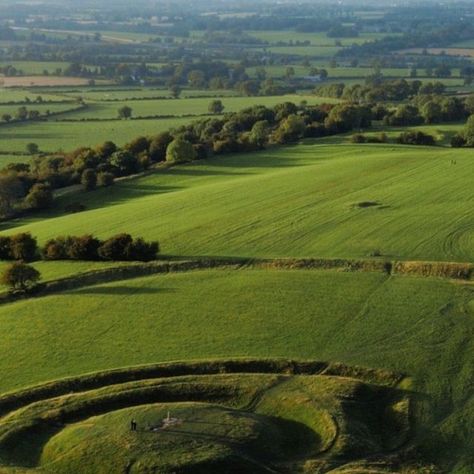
x=121 y=247
x=31 y=186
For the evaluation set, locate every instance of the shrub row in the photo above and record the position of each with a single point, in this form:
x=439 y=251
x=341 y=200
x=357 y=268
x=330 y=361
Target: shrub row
x=121 y=247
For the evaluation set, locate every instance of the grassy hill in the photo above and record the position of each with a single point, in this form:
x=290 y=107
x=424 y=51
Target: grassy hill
x=309 y=200
x=306 y=200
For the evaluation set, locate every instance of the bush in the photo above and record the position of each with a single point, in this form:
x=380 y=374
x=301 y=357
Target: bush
x=416 y=138
x=40 y=196
x=56 y=249
x=20 y=276
x=116 y=248
x=121 y=247
x=142 y=251
x=358 y=138
x=458 y=141
x=23 y=247
x=105 y=179
x=89 y=179
x=179 y=151
x=5 y=248
x=83 y=248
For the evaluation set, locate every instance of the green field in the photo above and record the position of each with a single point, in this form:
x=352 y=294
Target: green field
x=294 y=201
x=316 y=39
x=53 y=136
x=37 y=67
x=354 y=318
x=192 y=106
x=56 y=134
x=320 y=198
x=20 y=95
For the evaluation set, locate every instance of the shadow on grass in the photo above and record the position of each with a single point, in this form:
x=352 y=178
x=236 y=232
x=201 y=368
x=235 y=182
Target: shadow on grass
x=122 y=290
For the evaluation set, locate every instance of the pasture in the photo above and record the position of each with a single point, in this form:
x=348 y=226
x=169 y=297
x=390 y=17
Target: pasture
x=53 y=136
x=355 y=318
x=294 y=201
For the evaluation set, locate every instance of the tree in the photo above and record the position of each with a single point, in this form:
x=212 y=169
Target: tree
x=22 y=113
x=125 y=112
x=290 y=72
x=23 y=247
x=115 y=248
x=138 y=145
x=259 y=133
x=197 y=79
x=105 y=179
x=468 y=132
x=158 y=145
x=291 y=128
x=142 y=251
x=431 y=112
x=40 y=196
x=20 y=276
x=107 y=149
x=216 y=107
x=89 y=179
x=124 y=162
x=179 y=151
x=11 y=190
x=32 y=148
x=6 y=118
x=469 y=104
x=83 y=248
x=5 y=248
x=175 y=91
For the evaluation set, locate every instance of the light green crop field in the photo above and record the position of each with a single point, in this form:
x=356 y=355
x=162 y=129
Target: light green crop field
x=20 y=95
x=20 y=158
x=37 y=67
x=53 y=136
x=310 y=51
x=371 y=319
x=193 y=106
x=293 y=201
x=53 y=108
x=120 y=94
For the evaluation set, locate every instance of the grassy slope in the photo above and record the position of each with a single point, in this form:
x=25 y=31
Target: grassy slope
x=399 y=323
x=293 y=201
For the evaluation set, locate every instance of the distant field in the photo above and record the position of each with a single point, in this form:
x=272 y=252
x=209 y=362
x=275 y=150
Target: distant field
x=333 y=72
x=316 y=39
x=438 y=51
x=463 y=44
x=293 y=201
x=42 y=108
x=52 y=136
x=196 y=106
x=33 y=68
x=20 y=95
x=310 y=51
x=39 y=81
x=108 y=93
x=55 y=135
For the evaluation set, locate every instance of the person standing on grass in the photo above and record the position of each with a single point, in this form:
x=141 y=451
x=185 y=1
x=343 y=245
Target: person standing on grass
x=133 y=425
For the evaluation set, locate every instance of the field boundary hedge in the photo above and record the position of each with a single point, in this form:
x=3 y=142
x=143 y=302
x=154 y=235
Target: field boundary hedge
x=449 y=270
